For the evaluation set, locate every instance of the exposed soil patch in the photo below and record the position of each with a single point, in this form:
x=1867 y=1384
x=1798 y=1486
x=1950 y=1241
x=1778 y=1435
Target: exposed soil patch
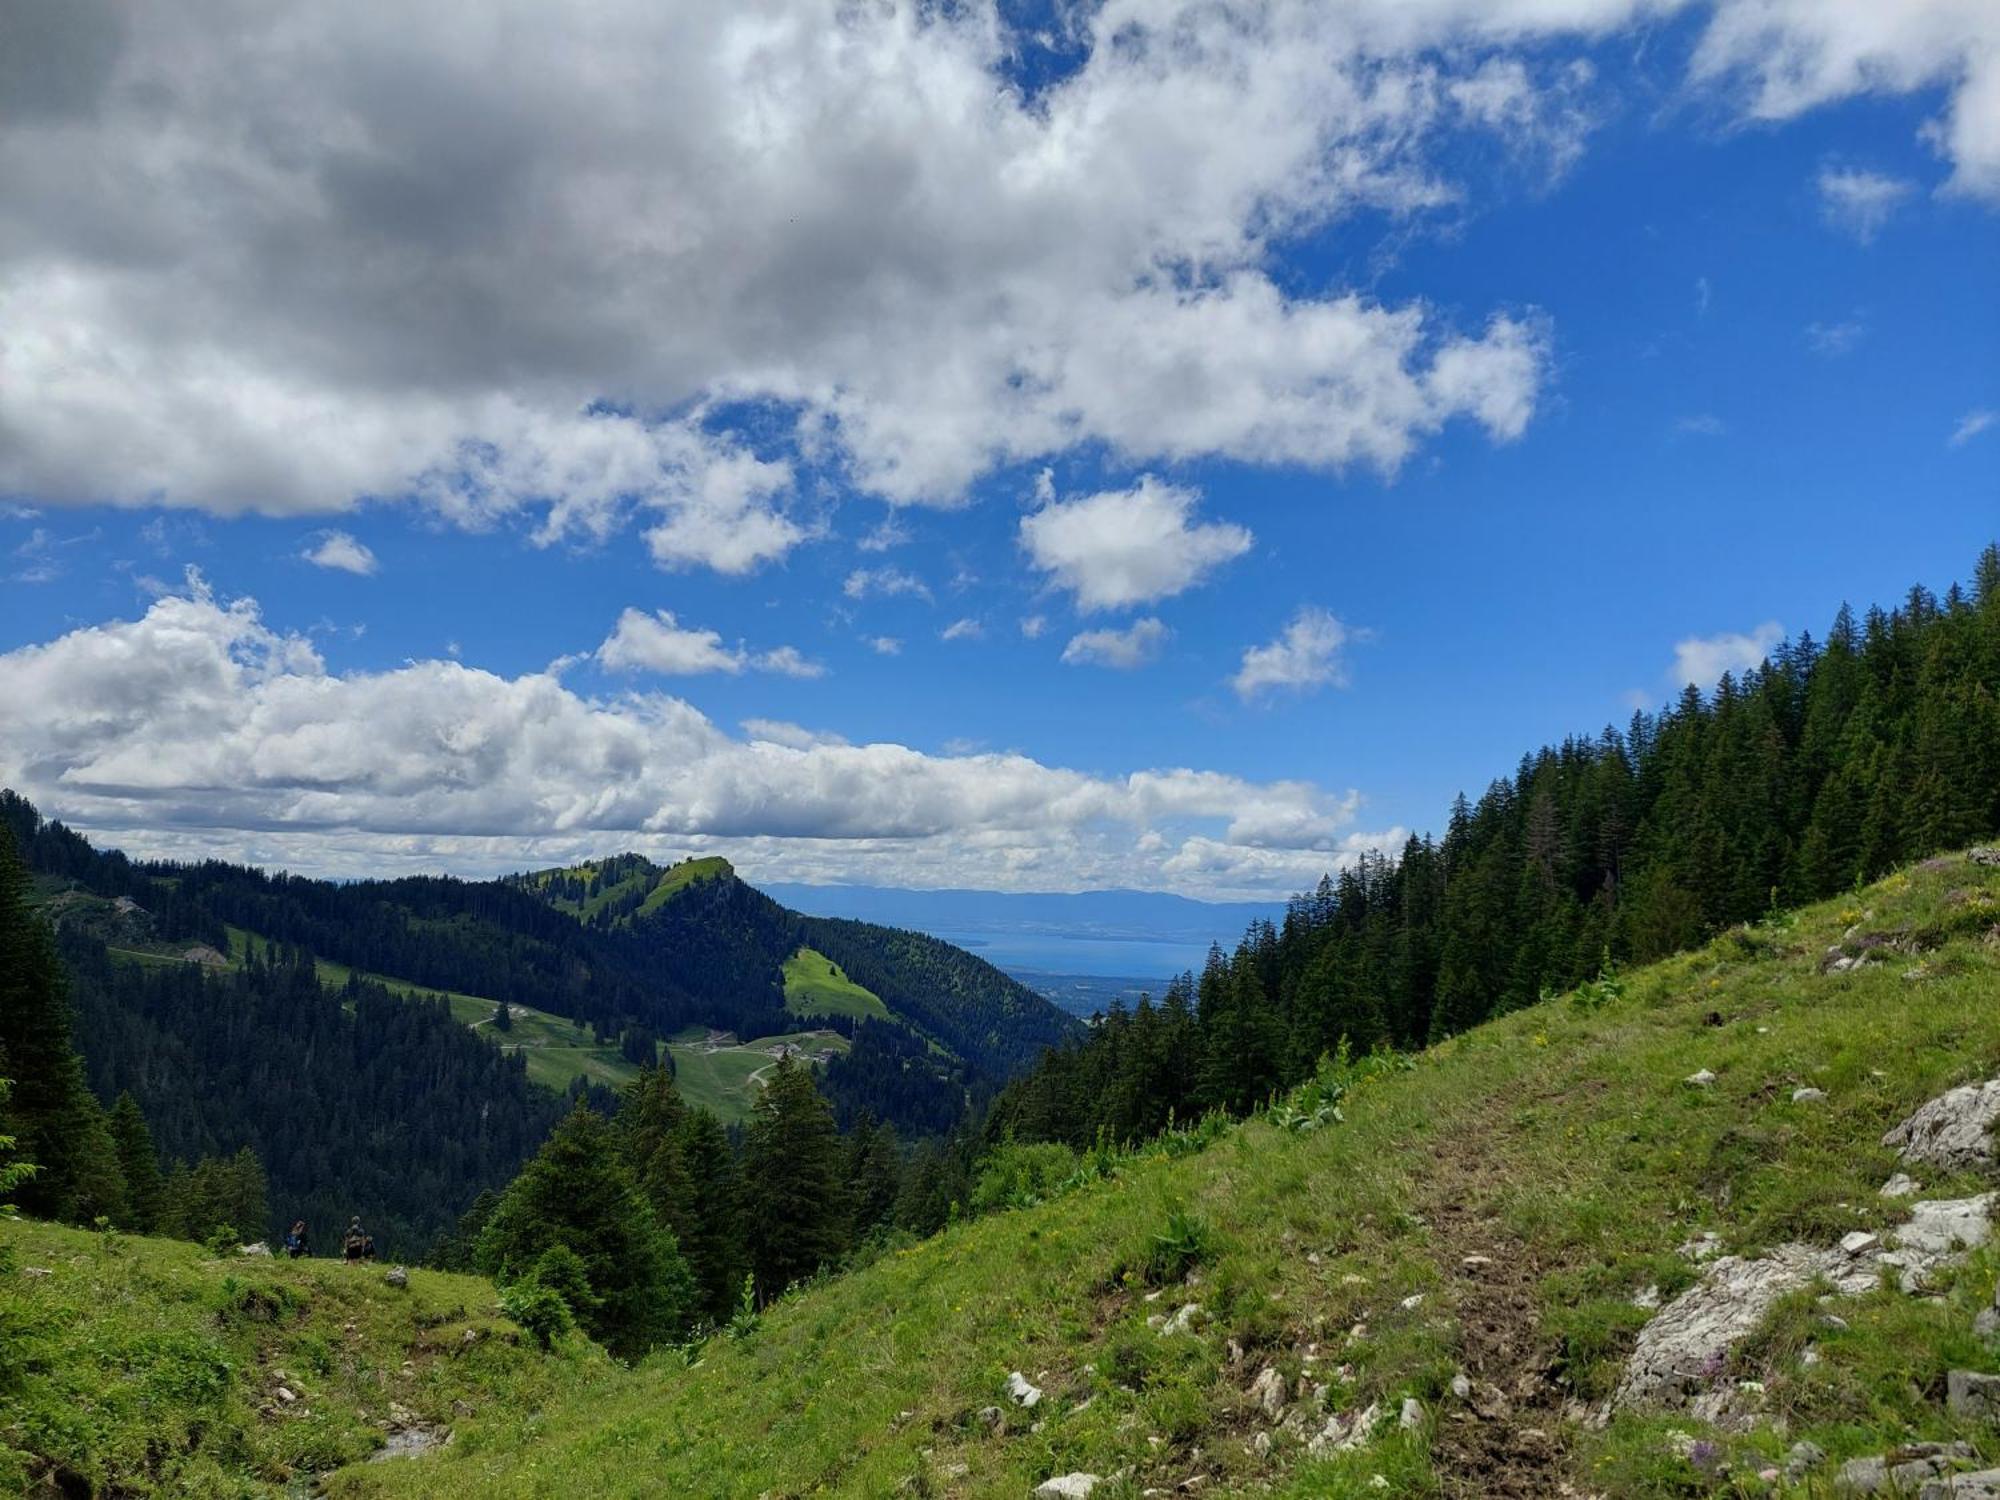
x=1505 y=1438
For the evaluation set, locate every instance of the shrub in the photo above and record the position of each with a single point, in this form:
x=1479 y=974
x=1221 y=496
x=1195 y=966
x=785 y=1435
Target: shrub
x=538 y=1309
x=1184 y=1243
x=1020 y=1176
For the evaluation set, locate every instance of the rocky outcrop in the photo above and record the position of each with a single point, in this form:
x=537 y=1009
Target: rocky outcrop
x=1685 y=1350
x=1953 y=1132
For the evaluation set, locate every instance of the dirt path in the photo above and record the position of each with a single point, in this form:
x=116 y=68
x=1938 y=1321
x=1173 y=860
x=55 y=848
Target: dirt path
x=1504 y=1440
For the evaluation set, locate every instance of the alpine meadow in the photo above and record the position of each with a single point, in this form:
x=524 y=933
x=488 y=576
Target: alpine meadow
x=1030 y=748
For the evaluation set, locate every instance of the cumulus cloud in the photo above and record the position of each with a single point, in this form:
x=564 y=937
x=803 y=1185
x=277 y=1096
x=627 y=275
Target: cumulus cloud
x=1125 y=547
x=1971 y=425
x=338 y=549
x=198 y=729
x=532 y=267
x=1133 y=647
x=1860 y=202
x=640 y=642
x=794 y=736
x=885 y=645
x=1306 y=655
x=1700 y=661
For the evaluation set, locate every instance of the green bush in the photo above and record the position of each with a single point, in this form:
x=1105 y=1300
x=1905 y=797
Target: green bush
x=538 y=1309
x=1020 y=1176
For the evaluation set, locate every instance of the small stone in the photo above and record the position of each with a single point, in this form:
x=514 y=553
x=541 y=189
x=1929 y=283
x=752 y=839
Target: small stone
x=286 y=1394
x=1700 y=1080
x=1412 y=1302
x=1859 y=1241
x=1461 y=1385
x=1807 y=1095
x=1268 y=1391
x=397 y=1277
x=1184 y=1321
x=1803 y=1459
x=1970 y=1394
x=1476 y=1262
x=1902 y=1185
x=988 y=1416
x=1412 y=1415
x=1067 y=1487
x=1023 y=1391
x=1261 y=1445
x=260 y=1248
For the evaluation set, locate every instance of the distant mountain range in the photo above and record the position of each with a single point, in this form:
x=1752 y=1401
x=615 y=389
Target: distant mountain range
x=1135 y=916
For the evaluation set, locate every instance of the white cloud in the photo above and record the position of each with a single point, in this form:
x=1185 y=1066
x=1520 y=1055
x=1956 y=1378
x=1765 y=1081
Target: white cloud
x=1700 y=661
x=1832 y=340
x=1124 y=547
x=660 y=643
x=794 y=736
x=865 y=583
x=338 y=549
x=245 y=270
x=885 y=645
x=1704 y=294
x=1307 y=654
x=197 y=730
x=1971 y=425
x=967 y=629
x=1860 y=202
x=1796 y=55
x=886 y=534
x=1702 y=424
x=1126 y=649
x=1032 y=626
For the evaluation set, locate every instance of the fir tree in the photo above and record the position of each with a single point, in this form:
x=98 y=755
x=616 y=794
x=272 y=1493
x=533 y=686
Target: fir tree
x=793 y=1173
x=578 y=1193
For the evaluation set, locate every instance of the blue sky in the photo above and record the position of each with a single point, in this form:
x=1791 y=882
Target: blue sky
x=1730 y=323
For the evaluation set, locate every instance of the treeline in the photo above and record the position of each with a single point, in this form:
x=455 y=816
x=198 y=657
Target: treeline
x=650 y=1225
x=1829 y=764
x=356 y=1100
x=65 y=1156
x=633 y=970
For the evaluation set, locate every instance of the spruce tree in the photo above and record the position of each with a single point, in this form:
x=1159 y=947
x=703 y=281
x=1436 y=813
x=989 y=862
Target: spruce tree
x=712 y=1212
x=138 y=1163
x=578 y=1193
x=793 y=1174
x=51 y=1113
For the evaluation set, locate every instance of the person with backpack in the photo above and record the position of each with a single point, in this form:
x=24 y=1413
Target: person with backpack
x=295 y=1239
x=356 y=1243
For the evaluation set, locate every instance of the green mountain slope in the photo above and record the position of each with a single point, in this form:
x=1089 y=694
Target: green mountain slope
x=1495 y=1209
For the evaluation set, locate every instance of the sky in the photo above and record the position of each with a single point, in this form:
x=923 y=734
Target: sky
x=1036 y=447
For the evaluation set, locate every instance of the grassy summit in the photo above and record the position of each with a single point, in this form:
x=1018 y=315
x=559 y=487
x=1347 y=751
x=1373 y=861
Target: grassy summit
x=1559 y=1148
x=816 y=986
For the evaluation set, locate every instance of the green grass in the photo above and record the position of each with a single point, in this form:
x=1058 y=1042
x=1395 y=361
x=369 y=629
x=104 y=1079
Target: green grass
x=556 y=1049
x=726 y=1080
x=135 y=1366
x=1560 y=1139
x=673 y=881
x=816 y=986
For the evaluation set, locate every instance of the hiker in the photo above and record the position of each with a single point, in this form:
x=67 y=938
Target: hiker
x=295 y=1239
x=357 y=1242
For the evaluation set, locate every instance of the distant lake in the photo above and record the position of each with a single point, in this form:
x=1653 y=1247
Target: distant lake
x=1045 y=953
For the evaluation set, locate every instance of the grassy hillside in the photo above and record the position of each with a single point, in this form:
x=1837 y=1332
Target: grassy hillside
x=816 y=986
x=1560 y=1143
x=133 y=1366
x=725 y=1076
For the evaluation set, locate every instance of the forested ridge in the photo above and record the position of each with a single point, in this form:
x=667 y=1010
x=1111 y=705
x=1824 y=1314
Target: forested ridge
x=1828 y=765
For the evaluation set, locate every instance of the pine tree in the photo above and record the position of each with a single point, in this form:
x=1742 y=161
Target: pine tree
x=58 y=1125
x=793 y=1173
x=577 y=1193
x=713 y=1213
x=138 y=1163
